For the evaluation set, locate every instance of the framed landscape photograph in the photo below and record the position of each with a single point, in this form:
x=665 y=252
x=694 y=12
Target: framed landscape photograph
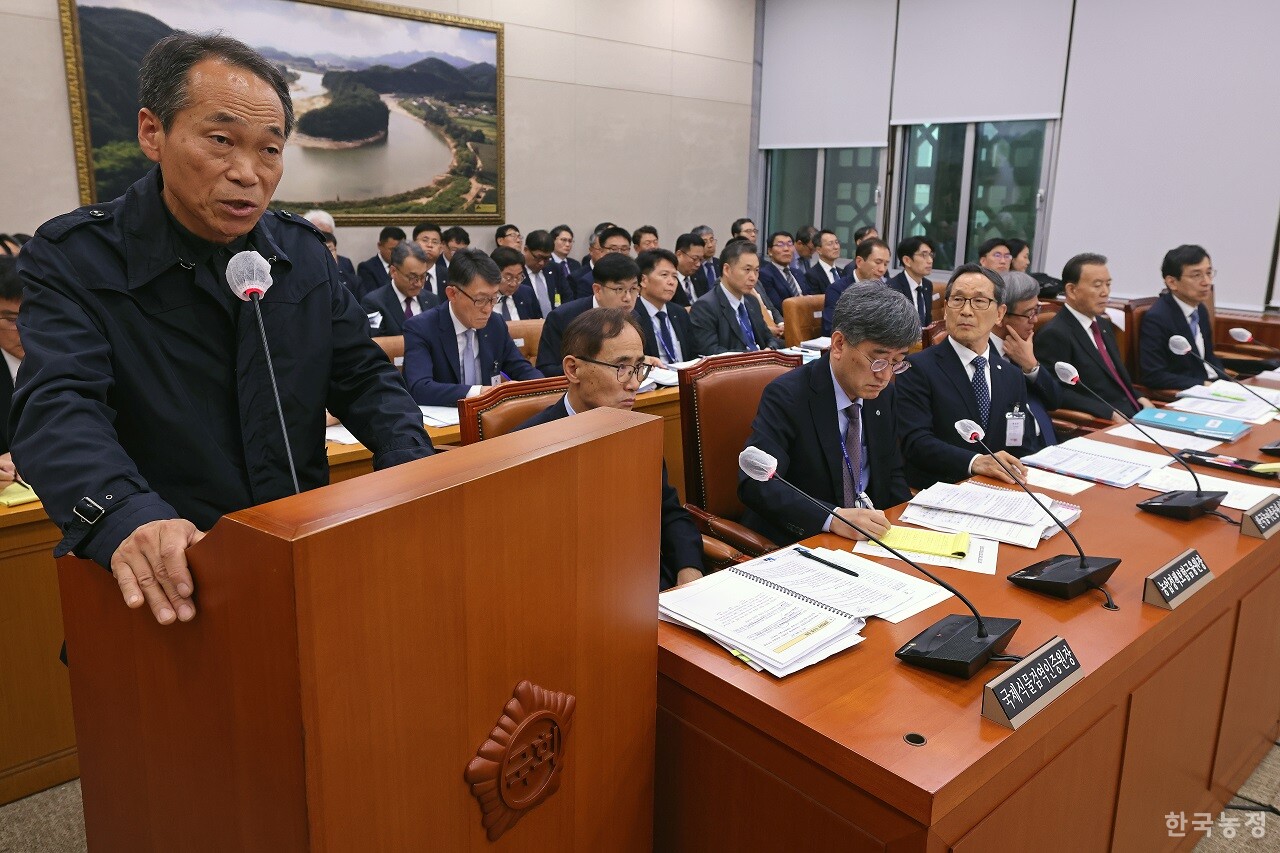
x=399 y=111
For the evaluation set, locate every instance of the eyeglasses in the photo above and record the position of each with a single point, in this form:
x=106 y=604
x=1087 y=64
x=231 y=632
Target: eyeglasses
x=1001 y=256
x=625 y=371
x=412 y=278
x=633 y=292
x=879 y=365
x=1031 y=315
x=979 y=303
x=508 y=278
x=926 y=256
x=479 y=301
x=1201 y=275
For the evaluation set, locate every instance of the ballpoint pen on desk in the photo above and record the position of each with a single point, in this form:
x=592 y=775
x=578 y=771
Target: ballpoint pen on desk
x=805 y=552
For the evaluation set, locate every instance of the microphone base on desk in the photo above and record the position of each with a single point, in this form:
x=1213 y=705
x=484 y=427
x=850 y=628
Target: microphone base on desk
x=952 y=645
x=1063 y=576
x=1182 y=505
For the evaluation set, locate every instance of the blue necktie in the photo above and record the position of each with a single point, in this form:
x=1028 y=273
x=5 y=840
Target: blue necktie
x=711 y=272
x=980 y=389
x=745 y=322
x=664 y=333
x=1194 y=322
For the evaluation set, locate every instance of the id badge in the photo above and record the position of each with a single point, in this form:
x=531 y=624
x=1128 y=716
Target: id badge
x=1015 y=424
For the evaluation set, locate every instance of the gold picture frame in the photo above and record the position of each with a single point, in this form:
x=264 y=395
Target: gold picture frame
x=419 y=123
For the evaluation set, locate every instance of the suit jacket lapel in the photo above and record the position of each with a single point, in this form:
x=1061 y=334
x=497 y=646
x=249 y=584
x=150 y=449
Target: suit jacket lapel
x=731 y=316
x=955 y=371
x=826 y=422
x=1085 y=340
x=449 y=339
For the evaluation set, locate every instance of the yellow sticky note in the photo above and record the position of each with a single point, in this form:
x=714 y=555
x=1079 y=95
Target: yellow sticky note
x=17 y=493
x=927 y=541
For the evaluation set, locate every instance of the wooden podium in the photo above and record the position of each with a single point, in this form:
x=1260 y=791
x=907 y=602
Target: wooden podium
x=357 y=646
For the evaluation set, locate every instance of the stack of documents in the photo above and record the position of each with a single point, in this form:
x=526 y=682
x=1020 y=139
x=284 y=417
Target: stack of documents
x=1170 y=439
x=992 y=513
x=1221 y=389
x=1240 y=496
x=1252 y=410
x=979 y=555
x=440 y=416
x=787 y=610
x=1205 y=425
x=1098 y=461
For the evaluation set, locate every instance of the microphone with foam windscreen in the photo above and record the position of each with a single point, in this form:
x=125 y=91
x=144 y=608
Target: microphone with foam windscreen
x=1179 y=345
x=1181 y=504
x=955 y=645
x=249 y=277
x=1063 y=576
x=1244 y=336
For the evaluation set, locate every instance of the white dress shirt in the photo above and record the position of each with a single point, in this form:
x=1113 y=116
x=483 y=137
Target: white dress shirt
x=414 y=307
x=460 y=331
x=14 y=364
x=653 y=318
x=539 y=282
x=966 y=358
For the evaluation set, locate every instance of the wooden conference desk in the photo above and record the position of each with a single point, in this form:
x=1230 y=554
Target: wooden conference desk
x=1174 y=712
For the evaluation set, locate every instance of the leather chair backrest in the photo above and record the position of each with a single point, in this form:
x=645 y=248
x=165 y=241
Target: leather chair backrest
x=802 y=319
x=526 y=334
x=939 y=299
x=500 y=409
x=718 y=400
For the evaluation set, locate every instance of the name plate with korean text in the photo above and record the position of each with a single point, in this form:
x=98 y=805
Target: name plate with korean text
x=1173 y=584
x=1023 y=690
x=1262 y=520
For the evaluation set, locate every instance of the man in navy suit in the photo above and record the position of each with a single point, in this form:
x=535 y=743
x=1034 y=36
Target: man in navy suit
x=460 y=346
x=616 y=285
x=1014 y=338
x=11 y=348
x=605 y=364
x=711 y=265
x=823 y=273
x=668 y=333
x=550 y=288
x=691 y=251
x=561 y=251
x=777 y=279
x=612 y=240
x=389 y=308
x=830 y=424
x=870 y=262
x=916 y=256
x=804 y=258
x=1081 y=335
x=964 y=377
x=429 y=236
x=1188 y=275
x=728 y=317
x=508 y=235
x=373 y=273
x=455 y=238
x=516 y=299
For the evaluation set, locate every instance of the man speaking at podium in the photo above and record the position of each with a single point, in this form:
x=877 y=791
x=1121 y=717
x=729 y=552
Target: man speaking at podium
x=144 y=409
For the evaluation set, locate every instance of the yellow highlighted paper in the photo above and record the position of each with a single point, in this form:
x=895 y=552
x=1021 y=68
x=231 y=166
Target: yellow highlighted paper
x=17 y=493
x=927 y=541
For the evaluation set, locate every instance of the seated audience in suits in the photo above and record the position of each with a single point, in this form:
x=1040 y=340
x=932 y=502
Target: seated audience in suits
x=561 y=249
x=1180 y=310
x=373 y=273
x=772 y=313
x=616 y=285
x=711 y=264
x=728 y=318
x=612 y=240
x=777 y=278
x=870 y=262
x=11 y=347
x=1014 y=338
x=644 y=238
x=916 y=256
x=830 y=424
x=323 y=220
x=744 y=228
x=866 y=232
x=668 y=333
x=604 y=363
x=993 y=254
x=964 y=377
x=509 y=236
x=455 y=238
x=390 y=307
x=429 y=236
x=823 y=273
x=593 y=245
x=804 y=258
x=1019 y=255
x=1081 y=335
x=690 y=253
x=516 y=299
x=350 y=282
x=549 y=287
x=461 y=345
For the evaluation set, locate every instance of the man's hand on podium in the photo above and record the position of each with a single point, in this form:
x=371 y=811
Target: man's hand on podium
x=151 y=565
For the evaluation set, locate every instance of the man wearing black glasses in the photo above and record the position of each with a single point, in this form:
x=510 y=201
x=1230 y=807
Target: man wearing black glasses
x=965 y=377
x=457 y=348
x=604 y=362
x=615 y=284
x=830 y=425
x=390 y=306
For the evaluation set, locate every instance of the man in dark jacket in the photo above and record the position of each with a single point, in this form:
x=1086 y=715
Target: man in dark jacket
x=1180 y=310
x=144 y=408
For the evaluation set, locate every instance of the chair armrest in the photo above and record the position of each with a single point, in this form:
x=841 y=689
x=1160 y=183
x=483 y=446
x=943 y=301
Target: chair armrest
x=717 y=555
x=730 y=532
x=1079 y=418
